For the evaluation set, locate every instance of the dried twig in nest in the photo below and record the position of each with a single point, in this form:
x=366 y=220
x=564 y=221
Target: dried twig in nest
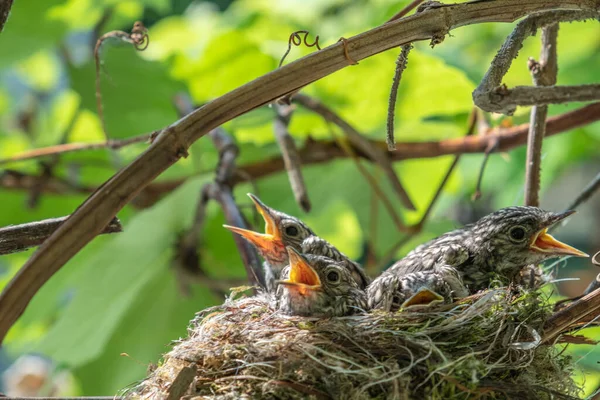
x=484 y=345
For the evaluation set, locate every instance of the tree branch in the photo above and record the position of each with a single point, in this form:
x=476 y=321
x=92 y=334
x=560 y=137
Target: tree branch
x=492 y=96
x=315 y=152
x=578 y=310
x=15 y=238
x=289 y=153
x=173 y=141
x=544 y=73
x=113 y=144
x=360 y=144
x=5 y=6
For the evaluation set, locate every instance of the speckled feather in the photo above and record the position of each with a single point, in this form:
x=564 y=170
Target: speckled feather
x=467 y=258
x=344 y=297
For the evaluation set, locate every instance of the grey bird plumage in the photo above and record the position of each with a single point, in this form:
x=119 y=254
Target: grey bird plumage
x=317 y=286
x=282 y=231
x=466 y=259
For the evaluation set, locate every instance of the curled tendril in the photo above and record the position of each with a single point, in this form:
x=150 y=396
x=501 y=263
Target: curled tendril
x=139 y=36
x=296 y=40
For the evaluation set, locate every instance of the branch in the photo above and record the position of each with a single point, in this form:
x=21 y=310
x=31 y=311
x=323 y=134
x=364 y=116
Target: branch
x=289 y=153
x=492 y=96
x=113 y=144
x=5 y=6
x=15 y=238
x=360 y=143
x=544 y=73
x=315 y=152
x=173 y=141
x=578 y=310
x=586 y=193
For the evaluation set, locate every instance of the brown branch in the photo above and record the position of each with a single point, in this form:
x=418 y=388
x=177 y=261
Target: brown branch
x=360 y=143
x=405 y=10
x=315 y=152
x=289 y=153
x=492 y=96
x=586 y=193
x=544 y=73
x=401 y=64
x=15 y=238
x=5 y=6
x=172 y=143
x=578 y=310
x=74 y=147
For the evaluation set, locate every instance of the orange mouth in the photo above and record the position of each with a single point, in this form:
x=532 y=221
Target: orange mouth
x=302 y=275
x=543 y=242
x=269 y=242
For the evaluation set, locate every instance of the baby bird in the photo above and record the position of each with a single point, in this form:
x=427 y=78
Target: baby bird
x=467 y=259
x=283 y=230
x=317 y=286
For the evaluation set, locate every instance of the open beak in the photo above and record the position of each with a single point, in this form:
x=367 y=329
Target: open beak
x=302 y=275
x=268 y=242
x=545 y=243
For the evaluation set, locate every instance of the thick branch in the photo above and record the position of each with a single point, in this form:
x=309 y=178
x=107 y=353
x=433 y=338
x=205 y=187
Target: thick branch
x=578 y=310
x=15 y=238
x=491 y=96
x=5 y=6
x=172 y=143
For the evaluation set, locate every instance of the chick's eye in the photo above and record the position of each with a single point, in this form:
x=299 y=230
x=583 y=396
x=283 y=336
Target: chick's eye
x=291 y=230
x=333 y=276
x=517 y=233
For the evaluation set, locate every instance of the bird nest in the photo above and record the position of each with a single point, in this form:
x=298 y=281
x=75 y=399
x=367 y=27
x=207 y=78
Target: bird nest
x=485 y=346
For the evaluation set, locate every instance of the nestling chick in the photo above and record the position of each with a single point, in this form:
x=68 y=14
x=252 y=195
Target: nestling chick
x=499 y=244
x=283 y=230
x=317 y=286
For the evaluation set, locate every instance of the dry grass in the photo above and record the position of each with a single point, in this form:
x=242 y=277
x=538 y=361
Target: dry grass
x=483 y=347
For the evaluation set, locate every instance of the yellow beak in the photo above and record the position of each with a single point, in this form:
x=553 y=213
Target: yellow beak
x=302 y=274
x=545 y=243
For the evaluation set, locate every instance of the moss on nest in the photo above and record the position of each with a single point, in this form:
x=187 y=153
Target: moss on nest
x=487 y=346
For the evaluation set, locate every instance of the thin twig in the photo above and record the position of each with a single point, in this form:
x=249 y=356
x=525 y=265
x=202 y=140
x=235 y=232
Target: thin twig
x=544 y=73
x=486 y=155
x=15 y=238
x=172 y=142
x=401 y=64
x=373 y=183
x=491 y=96
x=296 y=40
x=586 y=193
x=138 y=38
x=58 y=149
x=220 y=191
x=289 y=153
x=362 y=144
x=418 y=227
x=405 y=10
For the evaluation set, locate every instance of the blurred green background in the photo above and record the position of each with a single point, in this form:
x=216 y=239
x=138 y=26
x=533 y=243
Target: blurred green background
x=121 y=293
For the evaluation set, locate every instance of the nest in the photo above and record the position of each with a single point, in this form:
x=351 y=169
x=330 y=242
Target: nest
x=486 y=346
